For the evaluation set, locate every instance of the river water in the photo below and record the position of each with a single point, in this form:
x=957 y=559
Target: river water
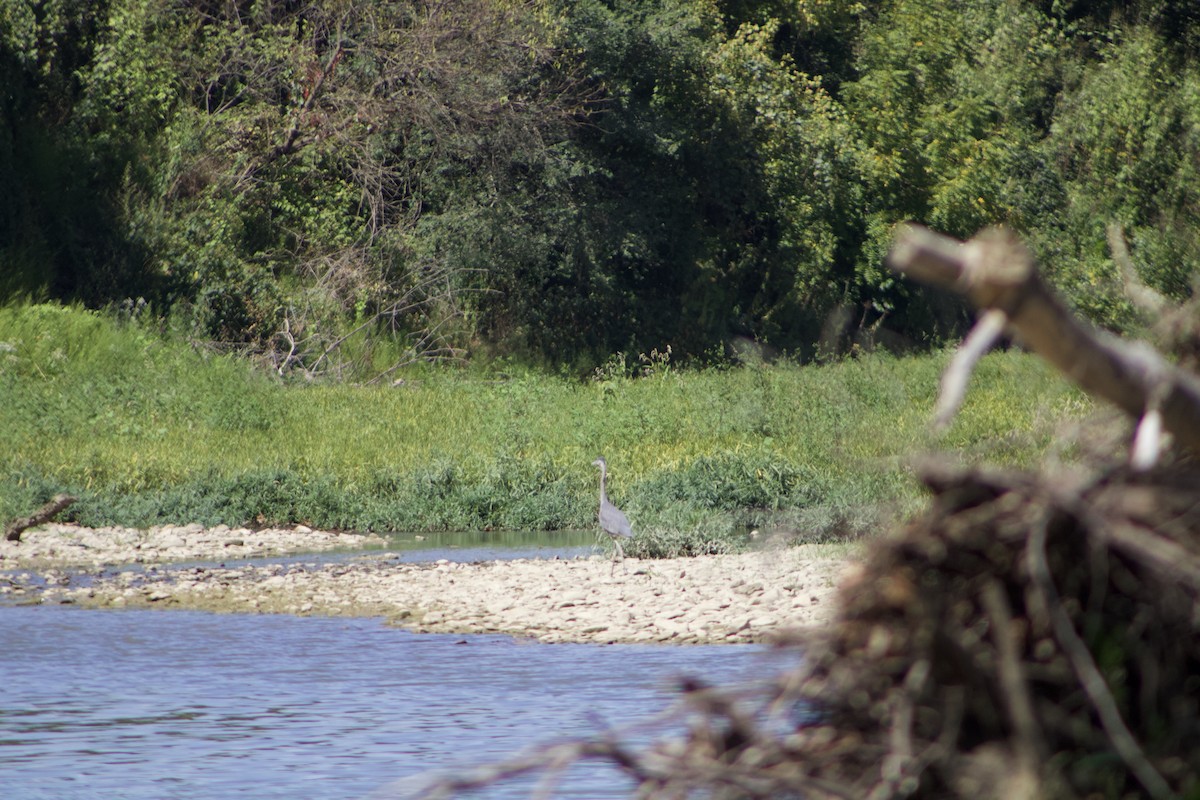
x=157 y=705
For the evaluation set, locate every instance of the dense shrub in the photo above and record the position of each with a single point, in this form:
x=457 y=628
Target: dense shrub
x=560 y=180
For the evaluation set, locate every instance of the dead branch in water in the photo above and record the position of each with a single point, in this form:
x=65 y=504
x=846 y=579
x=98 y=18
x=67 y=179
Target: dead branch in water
x=43 y=515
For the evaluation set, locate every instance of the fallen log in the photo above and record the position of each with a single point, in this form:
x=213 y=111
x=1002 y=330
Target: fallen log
x=43 y=515
x=995 y=271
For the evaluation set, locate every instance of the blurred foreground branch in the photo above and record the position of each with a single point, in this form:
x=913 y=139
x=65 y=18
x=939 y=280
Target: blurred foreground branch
x=996 y=273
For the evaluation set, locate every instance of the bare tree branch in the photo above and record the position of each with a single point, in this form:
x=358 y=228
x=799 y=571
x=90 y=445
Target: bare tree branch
x=995 y=271
x=1030 y=746
x=1146 y=299
x=982 y=337
x=43 y=515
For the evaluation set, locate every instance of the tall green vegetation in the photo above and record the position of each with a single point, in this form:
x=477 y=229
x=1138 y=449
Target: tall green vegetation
x=145 y=429
x=343 y=186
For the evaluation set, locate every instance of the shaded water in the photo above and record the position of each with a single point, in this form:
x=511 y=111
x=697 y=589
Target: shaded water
x=152 y=705
x=493 y=545
x=460 y=546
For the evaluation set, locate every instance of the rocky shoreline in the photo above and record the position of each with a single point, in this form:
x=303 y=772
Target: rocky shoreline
x=64 y=545
x=749 y=597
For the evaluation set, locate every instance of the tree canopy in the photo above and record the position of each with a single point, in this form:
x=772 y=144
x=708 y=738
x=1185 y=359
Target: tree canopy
x=556 y=180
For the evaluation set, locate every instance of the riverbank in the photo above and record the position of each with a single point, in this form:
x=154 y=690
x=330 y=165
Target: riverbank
x=748 y=597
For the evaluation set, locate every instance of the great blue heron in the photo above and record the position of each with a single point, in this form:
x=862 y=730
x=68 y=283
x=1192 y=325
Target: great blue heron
x=612 y=521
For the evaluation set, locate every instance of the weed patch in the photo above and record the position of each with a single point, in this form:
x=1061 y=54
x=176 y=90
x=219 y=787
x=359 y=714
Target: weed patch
x=144 y=429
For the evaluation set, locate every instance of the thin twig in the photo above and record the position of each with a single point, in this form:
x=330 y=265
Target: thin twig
x=954 y=380
x=1148 y=436
x=1158 y=552
x=1087 y=672
x=1144 y=298
x=1147 y=441
x=1030 y=746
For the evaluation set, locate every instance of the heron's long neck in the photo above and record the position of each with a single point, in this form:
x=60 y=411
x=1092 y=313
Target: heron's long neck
x=603 y=497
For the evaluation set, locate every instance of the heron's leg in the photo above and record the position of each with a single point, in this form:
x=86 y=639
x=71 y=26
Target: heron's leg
x=618 y=555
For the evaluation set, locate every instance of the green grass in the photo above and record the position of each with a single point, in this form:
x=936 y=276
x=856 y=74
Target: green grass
x=147 y=430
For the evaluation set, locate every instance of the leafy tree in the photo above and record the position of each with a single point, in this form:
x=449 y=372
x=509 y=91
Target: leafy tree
x=711 y=197
x=1126 y=137
x=312 y=146
x=807 y=167
x=950 y=109
x=57 y=231
x=336 y=184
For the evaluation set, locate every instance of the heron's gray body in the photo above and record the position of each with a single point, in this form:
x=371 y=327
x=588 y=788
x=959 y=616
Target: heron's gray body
x=612 y=520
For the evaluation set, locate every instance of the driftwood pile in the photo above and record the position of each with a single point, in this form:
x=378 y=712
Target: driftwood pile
x=1021 y=639
x=1028 y=636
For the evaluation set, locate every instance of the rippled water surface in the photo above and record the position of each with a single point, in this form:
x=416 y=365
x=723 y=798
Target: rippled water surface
x=150 y=705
